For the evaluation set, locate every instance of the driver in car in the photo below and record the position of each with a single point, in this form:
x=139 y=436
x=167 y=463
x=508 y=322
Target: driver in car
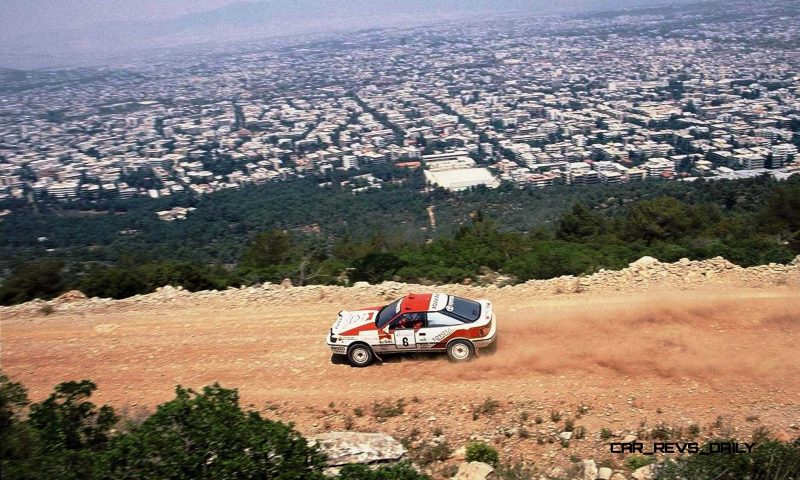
x=411 y=320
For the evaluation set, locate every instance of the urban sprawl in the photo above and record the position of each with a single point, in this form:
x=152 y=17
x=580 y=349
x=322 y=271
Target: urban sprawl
x=675 y=93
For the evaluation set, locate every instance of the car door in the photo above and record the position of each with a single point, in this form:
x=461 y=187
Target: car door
x=402 y=328
x=422 y=335
x=438 y=328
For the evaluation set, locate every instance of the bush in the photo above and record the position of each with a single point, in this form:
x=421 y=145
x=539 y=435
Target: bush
x=13 y=398
x=63 y=437
x=770 y=460
x=516 y=471
x=776 y=460
x=635 y=462
x=488 y=407
x=196 y=435
x=428 y=453
x=481 y=452
x=207 y=435
x=385 y=409
x=129 y=280
x=400 y=471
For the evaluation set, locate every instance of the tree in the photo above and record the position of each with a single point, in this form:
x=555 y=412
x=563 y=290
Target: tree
x=663 y=218
x=113 y=282
x=267 y=249
x=33 y=280
x=376 y=267
x=189 y=276
x=580 y=223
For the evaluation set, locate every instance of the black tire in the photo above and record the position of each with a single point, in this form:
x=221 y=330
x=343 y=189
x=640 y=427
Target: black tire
x=339 y=360
x=460 y=351
x=360 y=355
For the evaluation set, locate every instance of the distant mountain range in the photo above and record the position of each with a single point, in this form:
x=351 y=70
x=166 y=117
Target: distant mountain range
x=249 y=19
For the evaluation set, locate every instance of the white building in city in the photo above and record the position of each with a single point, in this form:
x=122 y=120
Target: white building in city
x=461 y=178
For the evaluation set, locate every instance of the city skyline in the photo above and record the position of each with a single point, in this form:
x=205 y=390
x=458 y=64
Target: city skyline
x=531 y=101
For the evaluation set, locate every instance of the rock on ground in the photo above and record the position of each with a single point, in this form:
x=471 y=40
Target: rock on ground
x=589 y=470
x=473 y=471
x=644 y=473
x=604 y=473
x=342 y=448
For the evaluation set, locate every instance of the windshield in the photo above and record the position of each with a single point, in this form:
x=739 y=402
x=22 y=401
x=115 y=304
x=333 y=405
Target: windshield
x=387 y=313
x=466 y=309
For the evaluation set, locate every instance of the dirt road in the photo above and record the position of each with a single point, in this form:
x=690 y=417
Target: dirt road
x=633 y=361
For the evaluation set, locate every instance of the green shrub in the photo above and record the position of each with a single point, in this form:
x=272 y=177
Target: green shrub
x=481 y=452
x=770 y=460
x=516 y=471
x=63 y=436
x=195 y=436
x=569 y=425
x=400 y=471
x=428 y=453
x=661 y=432
x=778 y=460
x=385 y=409
x=488 y=407
x=207 y=435
x=635 y=462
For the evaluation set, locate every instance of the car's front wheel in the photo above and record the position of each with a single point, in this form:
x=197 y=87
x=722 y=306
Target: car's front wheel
x=360 y=355
x=460 y=351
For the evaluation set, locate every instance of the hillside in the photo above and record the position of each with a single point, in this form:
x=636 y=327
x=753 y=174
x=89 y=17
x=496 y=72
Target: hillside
x=653 y=347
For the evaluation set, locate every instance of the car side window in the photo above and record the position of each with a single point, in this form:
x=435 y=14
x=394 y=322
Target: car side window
x=438 y=319
x=408 y=320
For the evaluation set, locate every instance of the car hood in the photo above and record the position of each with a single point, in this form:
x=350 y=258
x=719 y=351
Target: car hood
x=354 y=321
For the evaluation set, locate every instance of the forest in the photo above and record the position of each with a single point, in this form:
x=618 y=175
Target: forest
x=311 y=234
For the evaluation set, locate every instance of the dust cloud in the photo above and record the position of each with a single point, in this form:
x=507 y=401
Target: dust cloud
x=709 y=336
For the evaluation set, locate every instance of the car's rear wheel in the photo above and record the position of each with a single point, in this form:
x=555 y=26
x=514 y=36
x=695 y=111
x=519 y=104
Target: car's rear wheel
x=460 y=351
x=360 y=355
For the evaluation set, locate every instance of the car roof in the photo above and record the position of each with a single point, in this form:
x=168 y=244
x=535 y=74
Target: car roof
x=423 y=302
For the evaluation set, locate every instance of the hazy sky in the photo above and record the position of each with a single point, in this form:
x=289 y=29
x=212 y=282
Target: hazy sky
x=36 y=33
x=24 y=16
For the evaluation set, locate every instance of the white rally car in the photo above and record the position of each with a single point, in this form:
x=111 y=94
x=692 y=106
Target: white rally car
x=415 y=323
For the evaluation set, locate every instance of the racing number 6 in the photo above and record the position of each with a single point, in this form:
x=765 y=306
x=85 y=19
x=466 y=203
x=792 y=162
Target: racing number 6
x=405 y=341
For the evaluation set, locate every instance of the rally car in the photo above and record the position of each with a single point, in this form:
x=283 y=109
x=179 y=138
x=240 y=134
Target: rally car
x=415 y=323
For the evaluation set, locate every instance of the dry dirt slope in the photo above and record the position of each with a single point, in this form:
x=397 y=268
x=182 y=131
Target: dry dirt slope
x=672 y=344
